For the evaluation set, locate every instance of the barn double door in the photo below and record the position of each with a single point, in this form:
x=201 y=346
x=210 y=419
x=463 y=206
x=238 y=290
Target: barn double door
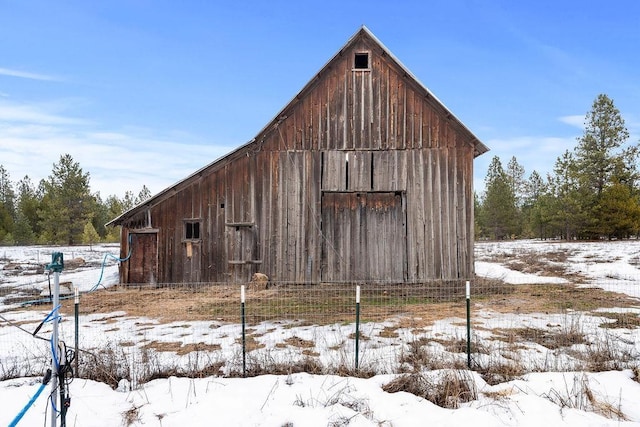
x=364 y=236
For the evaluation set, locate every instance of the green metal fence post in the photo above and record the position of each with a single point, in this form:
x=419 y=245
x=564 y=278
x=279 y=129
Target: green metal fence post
x=76 y=310
x=468 y=293
x=244 y=336
x=357 y=324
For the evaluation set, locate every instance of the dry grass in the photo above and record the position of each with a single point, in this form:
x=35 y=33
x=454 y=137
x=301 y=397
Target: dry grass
x=322 y=304
x=447 y=390
x=550 y=339
x=621 y=320
x=180 y=348
x=579 y=395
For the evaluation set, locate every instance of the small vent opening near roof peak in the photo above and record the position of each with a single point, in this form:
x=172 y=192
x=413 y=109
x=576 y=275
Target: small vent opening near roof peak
x=361 y=61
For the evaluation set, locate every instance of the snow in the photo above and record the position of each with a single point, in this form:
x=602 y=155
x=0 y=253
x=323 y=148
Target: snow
x=559 y=396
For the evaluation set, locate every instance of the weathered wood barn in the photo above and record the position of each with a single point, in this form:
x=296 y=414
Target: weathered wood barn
x=363 y=176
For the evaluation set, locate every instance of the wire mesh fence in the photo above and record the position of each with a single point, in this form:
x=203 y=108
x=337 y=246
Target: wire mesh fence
x=138 y=332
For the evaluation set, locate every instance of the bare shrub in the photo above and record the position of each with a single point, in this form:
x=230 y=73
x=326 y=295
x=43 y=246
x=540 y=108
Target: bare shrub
x=448 y=389
x=266 y=365
x=579 y=396
x=344 y=370
x=608 y=353
x=107 y=365
x=499 y=372
x=418 y=355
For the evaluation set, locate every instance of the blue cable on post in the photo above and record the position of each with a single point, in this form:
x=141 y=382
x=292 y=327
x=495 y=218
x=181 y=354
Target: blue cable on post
x=104 y=260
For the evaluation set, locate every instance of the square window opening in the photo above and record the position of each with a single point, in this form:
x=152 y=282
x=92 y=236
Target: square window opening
x=361 y=61
x=192 y=230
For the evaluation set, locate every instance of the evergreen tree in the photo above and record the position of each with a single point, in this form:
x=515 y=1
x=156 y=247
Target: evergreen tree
x=7 y=207
x=143 y=195
x=23 y=232
x=499 y=211
x=67 y=203
x=128 y=201
x=534 y=206
x=90 y=235
x=565 y=208
x=515 y=177
x=100 y=216
x=114 y=208
x=621 y=210
x=477 y=217
x=28 y=221
x=599 y=157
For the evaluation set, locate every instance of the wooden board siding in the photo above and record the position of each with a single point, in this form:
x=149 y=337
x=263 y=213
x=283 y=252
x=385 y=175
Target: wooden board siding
x=144 y=258
x=358 y=153
x=363 y=237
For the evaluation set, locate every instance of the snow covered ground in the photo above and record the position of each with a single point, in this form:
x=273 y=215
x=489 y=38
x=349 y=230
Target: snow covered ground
x=562 y=396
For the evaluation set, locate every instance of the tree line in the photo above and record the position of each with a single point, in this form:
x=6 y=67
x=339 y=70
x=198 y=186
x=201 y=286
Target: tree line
x=60 y=209
x=592 y=193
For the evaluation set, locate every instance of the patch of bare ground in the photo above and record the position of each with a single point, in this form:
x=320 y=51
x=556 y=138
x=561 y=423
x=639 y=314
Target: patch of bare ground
x=620 y=320
x=552 y=298
x=550 y=339
x=546 y=264
x=299 y=342
x=180 y=348
x=409 y=306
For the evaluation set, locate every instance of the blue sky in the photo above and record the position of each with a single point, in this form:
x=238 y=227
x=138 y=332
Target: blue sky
x=147 y=92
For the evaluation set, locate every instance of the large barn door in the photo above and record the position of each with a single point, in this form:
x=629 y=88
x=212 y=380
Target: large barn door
x=364 y=236
x=143 y=264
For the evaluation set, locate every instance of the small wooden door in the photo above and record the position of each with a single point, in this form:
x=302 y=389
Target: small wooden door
x=143 y=264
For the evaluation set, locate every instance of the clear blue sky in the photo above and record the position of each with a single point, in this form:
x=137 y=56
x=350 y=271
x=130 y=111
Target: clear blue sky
x=147 y=92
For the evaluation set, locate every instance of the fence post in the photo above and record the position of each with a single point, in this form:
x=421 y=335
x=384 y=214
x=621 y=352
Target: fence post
x=468 y=293
x=244 y=337
x=76 y=300
x=57 y=264
x=357 y=324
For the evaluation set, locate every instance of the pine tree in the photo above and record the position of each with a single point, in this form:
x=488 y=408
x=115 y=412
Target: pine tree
x=499 y=211
x=622 y=211
x=90 y=235
x=67 y=203
x=565 y=209
x=599 y=157
x=515 y=177
x=534 y=206
x=28 y=219
x=7 y=207
x=143 y=195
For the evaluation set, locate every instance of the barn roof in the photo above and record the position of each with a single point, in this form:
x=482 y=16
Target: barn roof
x=479 y=147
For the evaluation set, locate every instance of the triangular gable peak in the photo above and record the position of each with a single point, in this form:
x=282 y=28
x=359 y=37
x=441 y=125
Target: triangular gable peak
x=365 y=99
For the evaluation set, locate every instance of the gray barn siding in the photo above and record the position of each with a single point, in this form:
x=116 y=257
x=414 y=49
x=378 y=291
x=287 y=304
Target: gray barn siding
x=261 y=206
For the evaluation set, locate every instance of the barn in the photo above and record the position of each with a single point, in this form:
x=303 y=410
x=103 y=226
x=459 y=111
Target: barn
x=363 y=176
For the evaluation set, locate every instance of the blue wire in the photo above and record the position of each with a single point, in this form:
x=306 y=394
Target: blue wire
x=55 y=357
x=27 y=406
x=104 y=260
x=48 y=318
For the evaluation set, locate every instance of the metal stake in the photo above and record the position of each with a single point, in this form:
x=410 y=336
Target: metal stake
x=244 y=337
x=357 y=323
x=468 y=292
x=76 y=310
